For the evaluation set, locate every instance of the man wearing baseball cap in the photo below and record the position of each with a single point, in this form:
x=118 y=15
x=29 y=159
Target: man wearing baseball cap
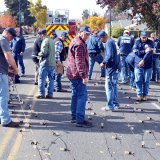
x=95 y=47
x=6 y=59
x=125 y=44
x=60 y=56
x=77 y=73
x=46 y=66
x=143 y=65
x=111 y=63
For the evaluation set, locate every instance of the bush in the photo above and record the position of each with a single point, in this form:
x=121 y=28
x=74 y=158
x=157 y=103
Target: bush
x=117 y=31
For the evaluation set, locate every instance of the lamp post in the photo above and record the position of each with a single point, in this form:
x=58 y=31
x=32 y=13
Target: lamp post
x=20 y=24
x=110 y=26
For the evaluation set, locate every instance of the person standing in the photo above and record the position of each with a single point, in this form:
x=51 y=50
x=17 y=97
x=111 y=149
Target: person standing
x=6 y=59
x=112 y=64
x=95 y=47
x=18 y=47
x=54 y=35
x=125 y=44
x=47 y=63
x=36 y=50
x=77 y=73
x=60 y=56
x=156 y=58
x=143 y=49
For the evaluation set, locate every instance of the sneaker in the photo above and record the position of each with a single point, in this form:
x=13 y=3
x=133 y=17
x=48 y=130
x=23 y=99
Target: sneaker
x=35 y=83
x=49 y=97
x=11 y=124
x=145 y=98
x=105 y=109
x=40 y=97
x=139 y=98
x=22 y=75
x=73 y=121
x=123 y=82
x=158 y=81
x=84 y=124
x=133 y=88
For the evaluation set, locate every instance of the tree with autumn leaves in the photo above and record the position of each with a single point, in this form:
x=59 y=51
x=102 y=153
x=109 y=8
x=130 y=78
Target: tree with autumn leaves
x=150 y=9
x=7 y=21
x=39 y=12
x=95 y=22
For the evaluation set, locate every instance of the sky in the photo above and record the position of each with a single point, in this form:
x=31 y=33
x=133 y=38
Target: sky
x=75 y=7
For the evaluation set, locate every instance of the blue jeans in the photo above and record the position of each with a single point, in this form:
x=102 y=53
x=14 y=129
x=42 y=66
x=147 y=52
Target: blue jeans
x=124 y=69
x=44 y=72
x=111 y=90
x=4 y=98
x=78 y=100
x=19 y=59
x=156 y=69
x=142 y=80
x=58 y=81
x=92 y=59
x=132 y=79
x=130 y=62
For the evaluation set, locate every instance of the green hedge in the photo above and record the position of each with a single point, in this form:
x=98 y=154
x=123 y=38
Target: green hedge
x=117 y=31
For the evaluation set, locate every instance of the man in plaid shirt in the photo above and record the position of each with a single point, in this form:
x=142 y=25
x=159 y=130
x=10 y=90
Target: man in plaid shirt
x=59 y=53
x=77 y=73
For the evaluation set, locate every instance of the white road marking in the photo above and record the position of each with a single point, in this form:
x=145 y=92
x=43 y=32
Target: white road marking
x=156 y=105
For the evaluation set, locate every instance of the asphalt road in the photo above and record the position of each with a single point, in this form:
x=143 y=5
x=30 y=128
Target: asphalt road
x=131 y=133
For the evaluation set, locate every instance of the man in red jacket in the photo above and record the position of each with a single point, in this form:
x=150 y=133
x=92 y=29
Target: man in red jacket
x=77 y=73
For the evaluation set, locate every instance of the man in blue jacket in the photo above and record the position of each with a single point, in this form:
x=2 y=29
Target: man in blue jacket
x=125 y=44
x=156 y=58
x=95 y=47
x=112 y=64
x=143 y=65
x=18 y=47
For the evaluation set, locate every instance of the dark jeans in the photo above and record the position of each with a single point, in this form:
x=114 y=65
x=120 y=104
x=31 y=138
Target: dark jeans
x=92 y=59
x=58 y=78
x=156 y=69
x=78 y=100
x=19 y=59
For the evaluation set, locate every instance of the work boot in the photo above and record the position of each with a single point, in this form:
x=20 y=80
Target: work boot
x=84 y=124
x=145 y=98
x=40 y=97
x=139 y=98
x=11 y=124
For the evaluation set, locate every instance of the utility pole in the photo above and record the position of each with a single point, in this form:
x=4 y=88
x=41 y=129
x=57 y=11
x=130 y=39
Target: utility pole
x=20 y=23
x=110 y=25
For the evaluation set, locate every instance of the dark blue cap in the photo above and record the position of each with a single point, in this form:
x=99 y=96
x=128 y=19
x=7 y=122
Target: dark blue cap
x=102 y=34
x=42 y=31
x=12 y=31
x=65 y=35
x=53 y=30
x=85 y=29
x=143 y=34
x=97 y=31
